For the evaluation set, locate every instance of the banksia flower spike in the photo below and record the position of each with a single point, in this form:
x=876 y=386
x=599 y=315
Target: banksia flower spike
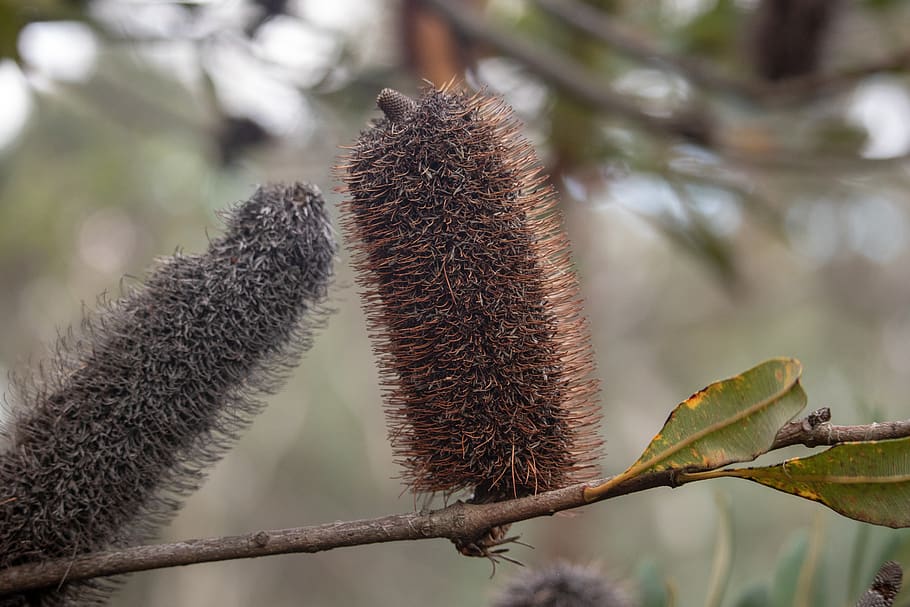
x=471 y=298
x=157 y=385
x=885 y=587
x=562 y=585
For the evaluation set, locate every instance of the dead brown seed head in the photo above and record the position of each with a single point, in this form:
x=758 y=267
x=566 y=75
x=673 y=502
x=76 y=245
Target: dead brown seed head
x=471 y=299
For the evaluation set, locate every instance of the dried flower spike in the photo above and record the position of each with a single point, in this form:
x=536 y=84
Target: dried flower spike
x=885 y=587
x=157 y=385
x=473 y=303
x=563 y=584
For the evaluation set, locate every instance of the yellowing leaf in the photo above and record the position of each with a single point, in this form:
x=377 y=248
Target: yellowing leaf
x=867 y=481
x=734 y=420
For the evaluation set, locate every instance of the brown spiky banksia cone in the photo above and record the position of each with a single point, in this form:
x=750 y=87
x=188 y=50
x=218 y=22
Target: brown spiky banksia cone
x=131 y=410
x=471 y=300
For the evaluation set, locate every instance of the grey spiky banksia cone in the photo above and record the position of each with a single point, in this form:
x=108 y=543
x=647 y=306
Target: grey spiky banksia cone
x=885 y=587
x=562 y=585
x=156 y=386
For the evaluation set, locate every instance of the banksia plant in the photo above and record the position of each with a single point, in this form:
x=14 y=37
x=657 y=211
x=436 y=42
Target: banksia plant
x=562 y=585
x=157 y=385
x=471 y=299
x=885 y=587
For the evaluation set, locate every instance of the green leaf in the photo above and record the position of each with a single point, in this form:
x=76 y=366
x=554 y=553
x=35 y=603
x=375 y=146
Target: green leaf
x=653 y=588
x=788 y=569
x=754 y=596
x=799 y=577
x=723 y=553
x=858 y=560
x=867 y=481
x=714 y=32
x=881 y=4
x=734 y=420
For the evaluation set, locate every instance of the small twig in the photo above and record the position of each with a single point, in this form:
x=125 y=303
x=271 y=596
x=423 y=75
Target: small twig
x=814 y=431
x=692 y=124
x=787 y=160
x=598 y=25
x=458 y=522
x=566 y=75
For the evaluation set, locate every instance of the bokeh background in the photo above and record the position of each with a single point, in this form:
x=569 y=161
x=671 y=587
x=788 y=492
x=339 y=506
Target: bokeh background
x=735 y=177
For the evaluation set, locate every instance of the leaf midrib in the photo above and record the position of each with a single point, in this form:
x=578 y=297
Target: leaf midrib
x=693 y=438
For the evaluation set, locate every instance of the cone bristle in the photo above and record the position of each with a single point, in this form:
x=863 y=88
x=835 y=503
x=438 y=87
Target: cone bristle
x=484 y=353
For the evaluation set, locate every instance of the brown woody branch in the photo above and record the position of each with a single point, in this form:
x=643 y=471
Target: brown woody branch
x=815 y=431
x=458 y=522
x=601 y=27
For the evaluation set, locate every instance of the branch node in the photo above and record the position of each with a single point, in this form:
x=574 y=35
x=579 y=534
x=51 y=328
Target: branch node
x=818 y=417
x=261 y=539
